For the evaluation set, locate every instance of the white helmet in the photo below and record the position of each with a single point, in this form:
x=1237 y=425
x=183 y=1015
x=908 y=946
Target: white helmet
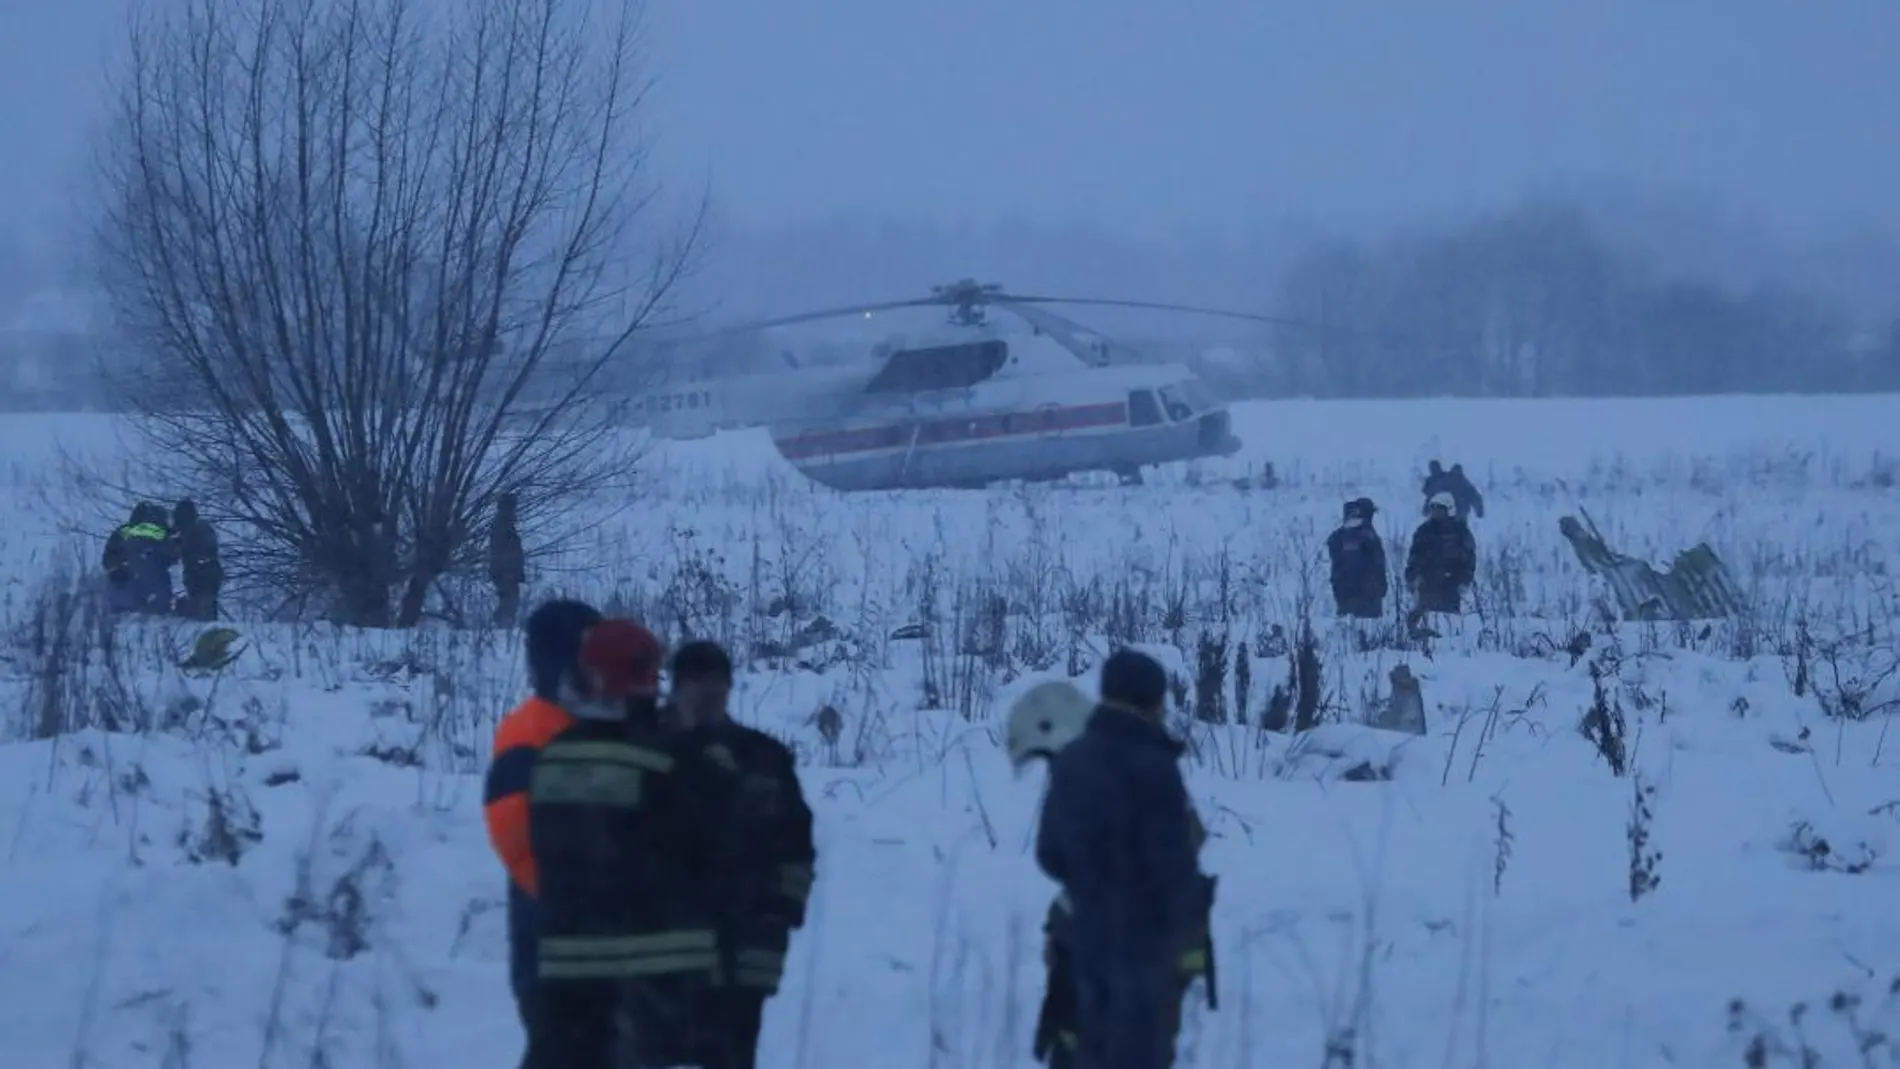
x=1045 y=719
x=1442 y=500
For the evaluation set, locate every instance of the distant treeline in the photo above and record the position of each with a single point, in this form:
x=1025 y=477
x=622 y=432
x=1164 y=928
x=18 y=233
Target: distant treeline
x=1534 y=301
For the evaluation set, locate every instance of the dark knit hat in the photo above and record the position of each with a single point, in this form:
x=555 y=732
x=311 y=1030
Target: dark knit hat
x=555 y=631
x=1134 y=679
x=702 y=661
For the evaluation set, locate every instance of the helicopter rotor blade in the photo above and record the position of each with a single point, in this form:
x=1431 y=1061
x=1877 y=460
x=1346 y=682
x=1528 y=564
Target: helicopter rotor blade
x=829 y=313
x=1155 y=306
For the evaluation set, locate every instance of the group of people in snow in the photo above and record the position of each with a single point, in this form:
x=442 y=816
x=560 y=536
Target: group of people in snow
x=1440 y=564
x=658 y=853
x=140 y=555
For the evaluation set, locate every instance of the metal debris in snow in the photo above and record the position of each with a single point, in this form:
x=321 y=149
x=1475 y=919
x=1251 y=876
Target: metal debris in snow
x=1697 y=586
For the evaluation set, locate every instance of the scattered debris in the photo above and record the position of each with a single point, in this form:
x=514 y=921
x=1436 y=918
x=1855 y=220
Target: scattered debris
x=1349 y=753
x=815 y=633
x=212 y=652
x=1846 y=851
x=1697 y=586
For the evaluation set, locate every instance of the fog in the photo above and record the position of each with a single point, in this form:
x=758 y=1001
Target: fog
x=861 y=149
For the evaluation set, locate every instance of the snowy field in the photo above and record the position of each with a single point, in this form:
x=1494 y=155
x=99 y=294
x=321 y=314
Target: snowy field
x=284 y=865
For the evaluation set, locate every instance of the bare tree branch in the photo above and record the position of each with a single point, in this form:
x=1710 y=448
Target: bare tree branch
x=375 y=254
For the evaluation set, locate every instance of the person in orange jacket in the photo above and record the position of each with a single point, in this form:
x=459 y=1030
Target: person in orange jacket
x=555 y=632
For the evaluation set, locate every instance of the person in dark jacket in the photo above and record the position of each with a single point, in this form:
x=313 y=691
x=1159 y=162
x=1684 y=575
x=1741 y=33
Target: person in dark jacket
x=1442 y=561
x=554 y=634
x=764 y=858
x=627 y=941
x=1358 y=563
x=507 y=559
x=196 y=546
x=1117 y=834
x=1041 y=723
x=1437 y=481
x=1467 y=502
x=138 y=561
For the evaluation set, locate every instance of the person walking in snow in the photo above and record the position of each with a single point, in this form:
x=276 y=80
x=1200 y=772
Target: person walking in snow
x=1442 y=561
x=1358 y=563
x=1117 y=833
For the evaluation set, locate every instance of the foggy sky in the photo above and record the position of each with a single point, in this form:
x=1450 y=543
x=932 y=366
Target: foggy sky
x=1152 y=114
x=1147 y=117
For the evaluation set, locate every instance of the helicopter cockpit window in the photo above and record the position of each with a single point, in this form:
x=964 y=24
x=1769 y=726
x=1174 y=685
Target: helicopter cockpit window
x=1178 y=410
x=1197 y=394
x=1142 y=409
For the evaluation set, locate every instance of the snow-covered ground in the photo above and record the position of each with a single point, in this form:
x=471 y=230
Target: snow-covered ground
x=284 y=865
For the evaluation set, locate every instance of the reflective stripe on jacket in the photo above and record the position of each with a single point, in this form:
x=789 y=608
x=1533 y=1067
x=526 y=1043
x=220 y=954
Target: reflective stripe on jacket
x=628 y=957
x=620 y=860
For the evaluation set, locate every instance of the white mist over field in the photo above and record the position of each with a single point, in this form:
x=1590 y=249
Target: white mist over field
x=284 y=864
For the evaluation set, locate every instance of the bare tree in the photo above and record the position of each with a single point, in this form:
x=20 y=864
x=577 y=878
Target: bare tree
x=374 y=255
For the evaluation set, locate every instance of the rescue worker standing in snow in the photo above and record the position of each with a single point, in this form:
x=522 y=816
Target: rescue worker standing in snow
x=196 y=543
x=1043 y=721
x=138 y=562
x=1117 y=833
x=1358 y=563
x=1442 y=561
x=1437 y=481
x=507 y=559
x=1467 y=502
x=627 y=944
x=554 y=634
x=763 y=862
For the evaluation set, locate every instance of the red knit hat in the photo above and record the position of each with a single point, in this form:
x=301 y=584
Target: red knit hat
x=623 y=657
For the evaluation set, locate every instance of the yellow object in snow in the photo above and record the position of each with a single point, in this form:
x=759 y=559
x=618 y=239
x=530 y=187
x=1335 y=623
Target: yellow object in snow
x=212 y=652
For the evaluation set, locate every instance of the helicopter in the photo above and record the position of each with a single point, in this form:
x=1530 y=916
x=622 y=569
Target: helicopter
x=972 y=406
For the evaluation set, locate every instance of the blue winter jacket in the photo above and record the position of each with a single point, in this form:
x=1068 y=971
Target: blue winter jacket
x=1117 y=834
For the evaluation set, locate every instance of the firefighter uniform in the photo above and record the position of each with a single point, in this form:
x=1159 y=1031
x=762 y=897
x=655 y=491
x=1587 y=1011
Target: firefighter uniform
x=625 y=945
x=762 y=873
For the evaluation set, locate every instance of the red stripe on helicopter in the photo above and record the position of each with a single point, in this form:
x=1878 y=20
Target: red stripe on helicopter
x=1024 y=424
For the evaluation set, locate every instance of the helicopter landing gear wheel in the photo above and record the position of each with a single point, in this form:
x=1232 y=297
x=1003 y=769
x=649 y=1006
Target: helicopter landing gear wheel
x=1130 y=476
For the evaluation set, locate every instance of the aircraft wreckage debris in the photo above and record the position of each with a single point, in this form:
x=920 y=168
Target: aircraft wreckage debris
x=1697 y=586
